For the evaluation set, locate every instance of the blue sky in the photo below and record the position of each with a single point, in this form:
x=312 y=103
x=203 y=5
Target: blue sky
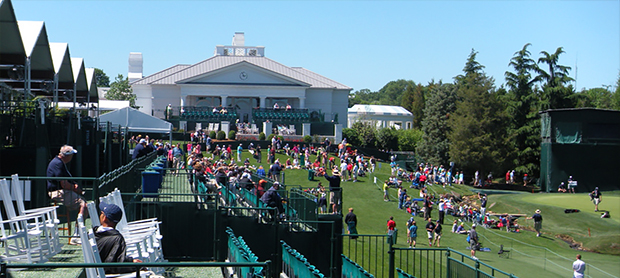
x=362 y=44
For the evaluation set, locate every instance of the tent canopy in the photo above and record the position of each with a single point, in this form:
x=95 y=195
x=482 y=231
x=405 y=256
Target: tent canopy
x=136 y=121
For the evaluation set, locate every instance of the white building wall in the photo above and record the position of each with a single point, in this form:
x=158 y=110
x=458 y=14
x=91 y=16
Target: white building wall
x=144 y=98
x=164 y=95
x=319 y=99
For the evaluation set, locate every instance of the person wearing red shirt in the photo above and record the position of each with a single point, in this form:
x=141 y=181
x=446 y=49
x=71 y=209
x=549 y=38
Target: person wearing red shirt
x=391 y=224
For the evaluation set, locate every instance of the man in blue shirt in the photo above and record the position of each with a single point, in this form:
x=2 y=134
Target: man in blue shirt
x=66 y=191
x=140 y=150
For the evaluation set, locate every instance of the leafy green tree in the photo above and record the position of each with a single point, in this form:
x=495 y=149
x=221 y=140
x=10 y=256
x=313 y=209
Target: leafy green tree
x=522 y=109
x=387 y=138
x=392 y=92
x=351 y=135
x=365 y=134
x=363 y=96
x=615 y=99
x=595 y=98
x=408 y=139
x=556 y=90
x=435 y=146
x=101 y=78
x=120 y=90
x=477 y=134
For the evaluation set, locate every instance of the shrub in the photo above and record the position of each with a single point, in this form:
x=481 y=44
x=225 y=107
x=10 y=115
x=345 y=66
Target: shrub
x=261 y=136
x=212 y=134
x=270 y=137
x=232 y=135
x=281 y=137
x=307 y=139
x=221 y=135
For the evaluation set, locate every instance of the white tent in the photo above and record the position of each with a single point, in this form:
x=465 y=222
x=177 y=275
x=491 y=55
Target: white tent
x=136 y=121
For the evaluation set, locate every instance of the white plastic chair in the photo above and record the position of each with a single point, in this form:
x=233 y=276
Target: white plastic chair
x=51 y=216
x=38 y=246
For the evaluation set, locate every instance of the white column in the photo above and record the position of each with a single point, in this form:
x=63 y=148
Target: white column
x=224 y=100
x=262 y=101
x=337 y=132
x=267 y=127
x=302 y=102
x=225 y=126
x=183 y=102
x=305 y=129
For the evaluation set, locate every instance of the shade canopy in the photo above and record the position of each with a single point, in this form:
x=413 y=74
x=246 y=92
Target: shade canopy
x=136 y=121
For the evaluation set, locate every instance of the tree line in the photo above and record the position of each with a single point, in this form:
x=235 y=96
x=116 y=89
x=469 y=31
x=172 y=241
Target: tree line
x=473 y=123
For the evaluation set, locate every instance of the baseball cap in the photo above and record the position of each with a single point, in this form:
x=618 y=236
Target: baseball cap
x=111 y=211
x=142 y=141
x=67 y=150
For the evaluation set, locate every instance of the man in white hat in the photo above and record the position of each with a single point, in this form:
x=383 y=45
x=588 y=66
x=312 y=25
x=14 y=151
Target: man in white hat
x=537 y=222
x=334 y=188
x=140 y=150
x=66 y=190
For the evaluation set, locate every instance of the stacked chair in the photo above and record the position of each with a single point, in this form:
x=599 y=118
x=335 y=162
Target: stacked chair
x=91 y=253
x=143 y=237
x=27 y=235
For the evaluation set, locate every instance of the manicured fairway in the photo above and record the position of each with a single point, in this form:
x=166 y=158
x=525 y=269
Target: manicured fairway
x=547 y=256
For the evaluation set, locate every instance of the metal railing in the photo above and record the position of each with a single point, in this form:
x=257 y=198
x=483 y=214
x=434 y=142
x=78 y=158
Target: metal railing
x=5 y=268
x=377 y=255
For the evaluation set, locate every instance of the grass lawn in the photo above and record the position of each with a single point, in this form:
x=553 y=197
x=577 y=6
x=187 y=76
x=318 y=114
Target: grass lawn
x=546 y=256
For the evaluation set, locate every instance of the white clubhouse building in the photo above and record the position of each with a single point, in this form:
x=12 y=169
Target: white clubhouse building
x=237 y=76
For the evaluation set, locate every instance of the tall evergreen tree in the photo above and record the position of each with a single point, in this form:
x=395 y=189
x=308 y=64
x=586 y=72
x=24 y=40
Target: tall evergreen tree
x=522 y=109
x=477 y=134
x=434 y=147
x=556 y=90
x=417 y=105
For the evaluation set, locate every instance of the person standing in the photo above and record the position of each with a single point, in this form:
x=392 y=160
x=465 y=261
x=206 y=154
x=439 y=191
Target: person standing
x=579 y=267
x=239 y=151
x=351 y=220
x=442 y=210
x=596 y=198
x=413 y=234
x=437 y=231
x=473 y=241
x=430 y=230
x=334 y=188
x=386 y=196
x=537 y=222
x=391 y=229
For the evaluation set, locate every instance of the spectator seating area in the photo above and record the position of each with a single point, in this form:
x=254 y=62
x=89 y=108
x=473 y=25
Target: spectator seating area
x=281 y=115
x=239 y=252
x=208 y=114
x=27 y=236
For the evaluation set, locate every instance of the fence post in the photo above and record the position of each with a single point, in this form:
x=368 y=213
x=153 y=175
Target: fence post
x=391 y=257
x=448 y=263
x=477 y=269
x=3 y=270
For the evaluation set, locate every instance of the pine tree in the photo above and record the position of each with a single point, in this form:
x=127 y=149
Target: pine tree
x=434 y=147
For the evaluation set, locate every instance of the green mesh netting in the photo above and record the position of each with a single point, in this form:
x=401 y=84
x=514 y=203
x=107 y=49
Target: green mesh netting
x=568 y=133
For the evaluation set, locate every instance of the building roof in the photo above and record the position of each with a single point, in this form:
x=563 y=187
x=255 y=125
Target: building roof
x=179 y=73
x=379 y=110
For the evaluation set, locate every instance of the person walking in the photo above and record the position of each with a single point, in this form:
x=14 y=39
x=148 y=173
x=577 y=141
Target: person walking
x=537 y=222
x=351 y=220
x=579 y=267
x=430 y=230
